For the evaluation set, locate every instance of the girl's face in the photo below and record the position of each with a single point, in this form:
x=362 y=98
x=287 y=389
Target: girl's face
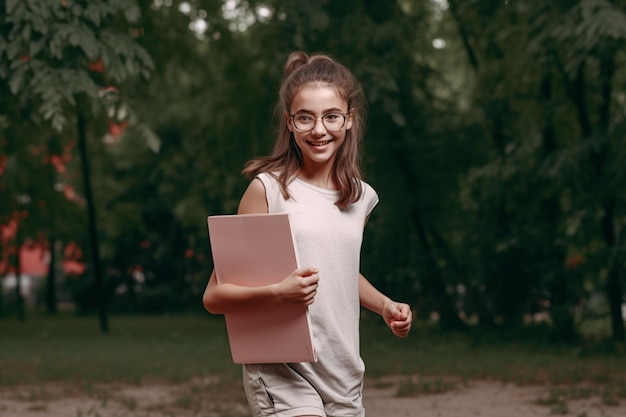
x=318 y=108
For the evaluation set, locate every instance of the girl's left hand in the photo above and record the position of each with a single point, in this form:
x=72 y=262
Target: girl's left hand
x=398 y=317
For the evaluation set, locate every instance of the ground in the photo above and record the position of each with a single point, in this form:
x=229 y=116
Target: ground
x=391 y=396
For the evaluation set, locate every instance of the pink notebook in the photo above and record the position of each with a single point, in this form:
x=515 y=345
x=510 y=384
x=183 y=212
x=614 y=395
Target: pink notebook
x=255 y=250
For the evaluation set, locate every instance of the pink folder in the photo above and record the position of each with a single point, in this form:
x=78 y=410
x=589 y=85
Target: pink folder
x=256 y=250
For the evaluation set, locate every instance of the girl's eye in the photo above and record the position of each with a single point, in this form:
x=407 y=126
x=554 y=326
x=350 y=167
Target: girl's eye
x=304 y=118
x=331 y=117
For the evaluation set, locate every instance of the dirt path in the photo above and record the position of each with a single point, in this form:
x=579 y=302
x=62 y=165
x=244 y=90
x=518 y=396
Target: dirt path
x=484 y=399
x=206 y=398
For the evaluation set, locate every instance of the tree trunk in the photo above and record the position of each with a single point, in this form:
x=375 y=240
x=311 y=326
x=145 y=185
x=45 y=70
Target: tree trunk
x=598 y=159
x=1 y=293
x=93 y=231
x=19 y=300
x=563 y=328
x=613 y=284
x=608 y=221
x=51 y=279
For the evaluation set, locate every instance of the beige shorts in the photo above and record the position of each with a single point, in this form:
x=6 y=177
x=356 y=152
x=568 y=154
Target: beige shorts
x=277 y=390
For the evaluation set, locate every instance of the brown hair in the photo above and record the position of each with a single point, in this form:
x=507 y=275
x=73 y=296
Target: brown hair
x=286 y=159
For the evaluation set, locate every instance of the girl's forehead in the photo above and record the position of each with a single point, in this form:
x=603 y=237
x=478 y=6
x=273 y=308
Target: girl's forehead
x=316 y=95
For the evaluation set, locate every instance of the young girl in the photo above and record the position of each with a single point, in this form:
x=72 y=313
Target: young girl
x=313 y=173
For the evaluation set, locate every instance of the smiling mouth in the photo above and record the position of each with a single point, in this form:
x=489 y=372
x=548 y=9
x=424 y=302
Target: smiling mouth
x=323 y=143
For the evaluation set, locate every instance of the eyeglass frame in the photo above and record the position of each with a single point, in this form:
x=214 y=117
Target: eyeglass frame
x=345 y=118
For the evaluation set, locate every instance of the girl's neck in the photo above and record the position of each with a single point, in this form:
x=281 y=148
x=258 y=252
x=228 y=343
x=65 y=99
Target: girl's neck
x=318 y=176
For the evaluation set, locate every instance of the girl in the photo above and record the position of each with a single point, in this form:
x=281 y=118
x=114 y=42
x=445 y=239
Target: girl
x=313 y=173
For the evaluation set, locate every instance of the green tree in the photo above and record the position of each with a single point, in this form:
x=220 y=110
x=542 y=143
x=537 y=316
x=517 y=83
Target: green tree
x=546 y=79
x=57 y=57
x=228 y=74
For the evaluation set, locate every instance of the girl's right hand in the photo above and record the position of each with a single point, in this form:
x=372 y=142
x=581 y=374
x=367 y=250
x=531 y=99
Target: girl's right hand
x=299 y=287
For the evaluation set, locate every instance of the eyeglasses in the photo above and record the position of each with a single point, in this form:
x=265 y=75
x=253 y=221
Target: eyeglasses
x=305 y=122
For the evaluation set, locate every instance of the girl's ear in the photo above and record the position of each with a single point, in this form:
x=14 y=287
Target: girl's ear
x=349 y=119
x=288 y=121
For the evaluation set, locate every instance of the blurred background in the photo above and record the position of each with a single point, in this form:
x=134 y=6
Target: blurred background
x=496 y=140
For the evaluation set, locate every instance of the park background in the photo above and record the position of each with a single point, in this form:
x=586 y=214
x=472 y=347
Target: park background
x=496 y=140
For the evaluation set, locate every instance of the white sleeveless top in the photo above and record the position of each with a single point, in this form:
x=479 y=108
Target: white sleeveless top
x=329 y=238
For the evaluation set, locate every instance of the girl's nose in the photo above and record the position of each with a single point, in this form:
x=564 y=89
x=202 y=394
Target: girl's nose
x=319 y=129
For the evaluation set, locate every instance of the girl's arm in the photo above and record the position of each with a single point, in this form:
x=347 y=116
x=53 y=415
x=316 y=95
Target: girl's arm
x=398 y=316
x=299 y=287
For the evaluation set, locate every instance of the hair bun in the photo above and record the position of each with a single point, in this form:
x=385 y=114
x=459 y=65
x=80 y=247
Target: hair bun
x=295 y=61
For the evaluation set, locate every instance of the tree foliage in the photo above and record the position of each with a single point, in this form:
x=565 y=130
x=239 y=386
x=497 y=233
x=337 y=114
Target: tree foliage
x=57 y=58
x=50 y=51
x=495 y=140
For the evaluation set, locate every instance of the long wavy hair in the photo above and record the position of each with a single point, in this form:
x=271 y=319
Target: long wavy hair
x=286 y=159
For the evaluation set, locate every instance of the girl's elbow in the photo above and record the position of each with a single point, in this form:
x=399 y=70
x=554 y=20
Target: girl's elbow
x=210 y=304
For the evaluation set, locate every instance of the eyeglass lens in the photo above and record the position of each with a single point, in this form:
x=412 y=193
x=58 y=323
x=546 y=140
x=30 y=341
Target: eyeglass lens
x=331 y=121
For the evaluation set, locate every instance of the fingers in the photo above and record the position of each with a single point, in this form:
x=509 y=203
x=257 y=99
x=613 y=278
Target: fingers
x=309 y=279
x=300 y=287
x=401 y=332
x=402 y=318
x=306 y=272
x=400 y=328
x=402 y=311
x=309 y=288
x=310 y=297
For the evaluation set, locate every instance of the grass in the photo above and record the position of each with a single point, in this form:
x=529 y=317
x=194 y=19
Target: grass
x=184 y=358
x=69 y=348
x=435 y=362
x=72 y=351
x=430 y=353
